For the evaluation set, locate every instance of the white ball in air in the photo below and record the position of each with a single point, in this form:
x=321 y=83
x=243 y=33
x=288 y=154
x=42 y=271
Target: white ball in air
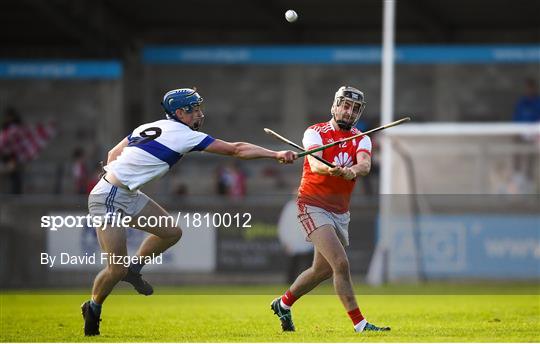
x=291 y=16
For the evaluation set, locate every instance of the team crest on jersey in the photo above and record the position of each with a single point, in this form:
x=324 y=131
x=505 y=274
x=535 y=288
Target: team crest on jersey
x=343 y=159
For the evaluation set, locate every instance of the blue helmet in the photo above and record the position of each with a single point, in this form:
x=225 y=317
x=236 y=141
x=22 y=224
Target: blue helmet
x=182 y=98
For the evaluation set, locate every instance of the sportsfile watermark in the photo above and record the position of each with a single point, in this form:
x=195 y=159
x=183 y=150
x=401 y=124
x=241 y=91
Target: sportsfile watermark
x=118 y=220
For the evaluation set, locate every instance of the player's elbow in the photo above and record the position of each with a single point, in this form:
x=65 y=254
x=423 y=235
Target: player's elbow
x=233 y=149
x=113 y=153
x=240 y=150
x=110 y=155
x=364 y=170
x=237 y=151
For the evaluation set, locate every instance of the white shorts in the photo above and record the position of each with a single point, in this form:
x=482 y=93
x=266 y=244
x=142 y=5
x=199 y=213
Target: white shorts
x=311 y=218
x=107 y=198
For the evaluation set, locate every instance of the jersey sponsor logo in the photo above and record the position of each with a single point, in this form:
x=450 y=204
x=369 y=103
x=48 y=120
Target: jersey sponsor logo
x=343 y=159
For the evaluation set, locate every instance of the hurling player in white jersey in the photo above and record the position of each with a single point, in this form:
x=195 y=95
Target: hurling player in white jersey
x=146 y=154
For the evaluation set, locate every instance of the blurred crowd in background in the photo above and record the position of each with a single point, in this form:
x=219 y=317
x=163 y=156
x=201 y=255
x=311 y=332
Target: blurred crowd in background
x=23 y=142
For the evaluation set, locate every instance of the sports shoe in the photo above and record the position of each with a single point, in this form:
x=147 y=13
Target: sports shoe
x=371 y=327
x=140 y=285
x=283 y=314
x=91 y=320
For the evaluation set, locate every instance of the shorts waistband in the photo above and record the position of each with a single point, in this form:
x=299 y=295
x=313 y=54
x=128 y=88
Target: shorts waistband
x=123 y=187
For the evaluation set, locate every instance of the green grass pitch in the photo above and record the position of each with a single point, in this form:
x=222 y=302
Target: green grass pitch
x=242 y=314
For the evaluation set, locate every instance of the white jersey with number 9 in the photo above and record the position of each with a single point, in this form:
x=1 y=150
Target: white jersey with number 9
x=153 y=149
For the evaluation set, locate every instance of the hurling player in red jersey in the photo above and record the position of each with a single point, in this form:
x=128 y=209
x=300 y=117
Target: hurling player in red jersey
x=323 y=206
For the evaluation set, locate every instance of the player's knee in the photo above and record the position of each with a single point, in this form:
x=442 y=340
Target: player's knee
x=176 y=235
x=118 y=271
x=171 y=234
x=341 y=266
x=328 y=274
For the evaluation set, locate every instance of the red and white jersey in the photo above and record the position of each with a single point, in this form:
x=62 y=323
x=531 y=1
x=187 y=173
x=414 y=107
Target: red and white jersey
x=328 y=192
x=24 y=142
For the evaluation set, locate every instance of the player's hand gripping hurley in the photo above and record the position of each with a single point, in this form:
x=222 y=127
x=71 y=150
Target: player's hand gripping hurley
x=318 y=149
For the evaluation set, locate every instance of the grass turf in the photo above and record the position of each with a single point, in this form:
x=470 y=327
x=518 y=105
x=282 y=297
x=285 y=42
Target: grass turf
x=190 y=314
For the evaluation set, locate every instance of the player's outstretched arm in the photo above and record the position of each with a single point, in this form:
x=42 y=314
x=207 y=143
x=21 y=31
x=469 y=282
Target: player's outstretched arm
x=244 y=150
x=115 y=152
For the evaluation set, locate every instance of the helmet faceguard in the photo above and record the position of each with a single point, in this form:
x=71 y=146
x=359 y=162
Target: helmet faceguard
x=348 y=107
x=198 y=123
x=183 y=98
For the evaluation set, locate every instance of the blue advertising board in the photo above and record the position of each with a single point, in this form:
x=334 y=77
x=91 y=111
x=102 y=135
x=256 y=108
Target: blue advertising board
x=334 y=54
x=60 y=69
x=478 y=246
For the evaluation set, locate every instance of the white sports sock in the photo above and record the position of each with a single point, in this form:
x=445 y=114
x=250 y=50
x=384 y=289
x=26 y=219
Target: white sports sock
x=284 y=306
x=360 y=326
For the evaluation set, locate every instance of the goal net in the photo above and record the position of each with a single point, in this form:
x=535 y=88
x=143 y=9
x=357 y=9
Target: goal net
x=462 y=202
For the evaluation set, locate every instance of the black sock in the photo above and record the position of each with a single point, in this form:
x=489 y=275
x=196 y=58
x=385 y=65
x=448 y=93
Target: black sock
x=96 y=308
x=136 y=267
